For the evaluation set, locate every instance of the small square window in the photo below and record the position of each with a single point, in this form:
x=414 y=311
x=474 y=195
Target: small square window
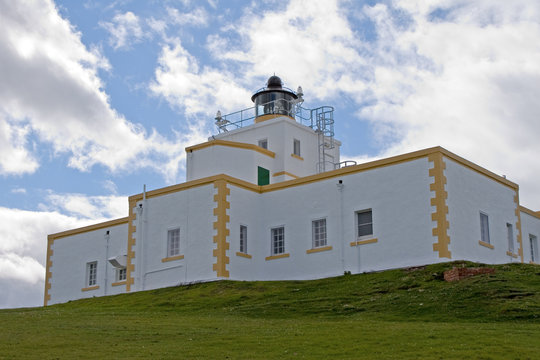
x=318 y=228
x=484 y=228
x=263 y=143
x=243 y=239
x=121 y=274
x=364 y=221
x=296 y=147
x=173 y=242
x=91 y=273
x=278 y=241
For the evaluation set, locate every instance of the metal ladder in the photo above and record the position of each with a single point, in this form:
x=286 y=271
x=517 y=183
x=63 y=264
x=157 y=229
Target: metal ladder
x=324 y=127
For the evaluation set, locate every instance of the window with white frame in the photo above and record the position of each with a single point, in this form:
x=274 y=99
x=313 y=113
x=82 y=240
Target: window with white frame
x=318 y=230
x=510 y=237
x=484 y=228
x=534 y=248
x=243 y=239
x=121 y=274
x=278 y=240
x=263 y=143
x=91 y=273
x=296 y=147
x=364 y=221
x=173 y=242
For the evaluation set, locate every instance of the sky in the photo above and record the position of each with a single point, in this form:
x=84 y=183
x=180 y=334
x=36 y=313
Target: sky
x=98 y=97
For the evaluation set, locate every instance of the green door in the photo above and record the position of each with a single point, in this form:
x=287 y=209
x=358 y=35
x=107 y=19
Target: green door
x=263 y=176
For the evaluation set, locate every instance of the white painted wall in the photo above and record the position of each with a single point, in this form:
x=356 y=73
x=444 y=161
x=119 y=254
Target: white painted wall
x=530 y=226
x=239 y=163
x=470 y=193
x=398 y=196
x=242 y=163
x=69 y=259
x=191 y=210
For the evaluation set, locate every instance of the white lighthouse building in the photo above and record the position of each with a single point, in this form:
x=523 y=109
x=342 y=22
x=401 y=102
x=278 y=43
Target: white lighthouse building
x=268 y=198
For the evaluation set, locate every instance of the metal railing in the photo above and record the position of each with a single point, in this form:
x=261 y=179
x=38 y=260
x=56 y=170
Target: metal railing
x=244 y=117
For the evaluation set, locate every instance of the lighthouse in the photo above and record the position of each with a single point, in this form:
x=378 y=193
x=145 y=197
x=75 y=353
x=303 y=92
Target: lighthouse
x=274 y=141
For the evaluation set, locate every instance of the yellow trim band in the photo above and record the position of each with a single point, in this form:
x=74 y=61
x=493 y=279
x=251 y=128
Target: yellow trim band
x=172 y=258
x=90 y=288
x=244 y=255
x=118 y=283
x=488 y=245
x=440 y=231
x=535 y=214
x=234 y=144
x=262 y=118
x=130 y=266
x=319 y=249
x=518 y=226
x=297 y=157
x=285 y=173
x=48 y=273
x=93 y=227
x=220 y=239
x=364 y=242
x=280 y=256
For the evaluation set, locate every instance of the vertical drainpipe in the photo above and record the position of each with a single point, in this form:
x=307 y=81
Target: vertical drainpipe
x=342 y=230
x=107 y=236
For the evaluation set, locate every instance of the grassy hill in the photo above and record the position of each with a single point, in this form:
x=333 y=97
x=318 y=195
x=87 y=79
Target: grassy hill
x=397 y=314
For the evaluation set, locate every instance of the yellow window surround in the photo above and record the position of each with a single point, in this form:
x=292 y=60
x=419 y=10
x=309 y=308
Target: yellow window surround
x=319 y=249
x=488 y=245
x=280 y=256
x=90 y=288
x=241 y=254
x=172 y=258
x=364 y=242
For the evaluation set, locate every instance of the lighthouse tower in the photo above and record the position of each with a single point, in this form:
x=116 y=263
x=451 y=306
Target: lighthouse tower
x=274 y=141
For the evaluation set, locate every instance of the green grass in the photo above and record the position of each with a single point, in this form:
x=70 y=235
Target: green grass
x=397 y=314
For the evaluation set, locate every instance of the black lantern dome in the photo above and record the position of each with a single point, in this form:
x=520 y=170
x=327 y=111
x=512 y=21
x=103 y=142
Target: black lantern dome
x=274 y=99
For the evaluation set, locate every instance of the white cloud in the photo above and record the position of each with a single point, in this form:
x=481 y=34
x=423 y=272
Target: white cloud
x=91 y=207
x=18 y=191
x=308 y=43
x=16 y=157
x=197 y=17
x=49 y=87
x=22 y=268
x=124 y=29
x=181 y=81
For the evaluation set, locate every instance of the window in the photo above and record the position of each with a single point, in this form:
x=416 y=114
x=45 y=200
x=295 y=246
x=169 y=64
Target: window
x=91 y=273
x=173 y=242
x=318 y=228
x=121 y=274
x=365 y=223
x=296 y=147
x=484 y=228
x=534 y=248
x=243 y=239
x=263 y=143
x=278 y=241
x=510 y=235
